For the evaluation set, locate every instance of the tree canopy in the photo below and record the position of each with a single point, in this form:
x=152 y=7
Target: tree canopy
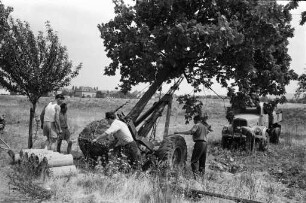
x=243 y=44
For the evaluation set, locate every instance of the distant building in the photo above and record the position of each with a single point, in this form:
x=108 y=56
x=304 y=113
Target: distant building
x=85 y=91
x=4 y=91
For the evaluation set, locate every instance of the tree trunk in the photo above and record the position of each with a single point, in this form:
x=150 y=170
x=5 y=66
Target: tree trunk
x=138 y=108
x=32 y=113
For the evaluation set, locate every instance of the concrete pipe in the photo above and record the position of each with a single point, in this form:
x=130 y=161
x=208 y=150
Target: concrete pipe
x=62 y=171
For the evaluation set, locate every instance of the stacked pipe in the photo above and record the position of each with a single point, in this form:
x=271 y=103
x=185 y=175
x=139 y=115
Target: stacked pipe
x=43 y=162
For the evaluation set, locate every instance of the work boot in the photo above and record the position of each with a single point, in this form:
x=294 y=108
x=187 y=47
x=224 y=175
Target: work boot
x=59 y=143
x=69 y=147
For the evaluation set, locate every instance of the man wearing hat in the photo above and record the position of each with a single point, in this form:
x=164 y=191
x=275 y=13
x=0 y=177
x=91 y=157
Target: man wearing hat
x=50 y=120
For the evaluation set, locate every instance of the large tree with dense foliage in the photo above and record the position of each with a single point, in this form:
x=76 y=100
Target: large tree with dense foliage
x=33 y=65
x=243 y=44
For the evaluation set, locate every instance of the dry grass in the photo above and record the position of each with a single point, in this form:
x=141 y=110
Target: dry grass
x=274 y=176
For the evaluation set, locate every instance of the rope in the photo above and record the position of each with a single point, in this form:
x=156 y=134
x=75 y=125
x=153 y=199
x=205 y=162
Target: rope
x=216 y=93
x=145 y=88
x=205 y=96
x=153 y=132
x=219 y=97
x=8 y=147
x=142 y=90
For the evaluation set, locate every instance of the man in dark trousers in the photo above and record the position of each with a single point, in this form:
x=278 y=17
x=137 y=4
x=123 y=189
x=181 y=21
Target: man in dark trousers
x=65 y=135
x=125 y=139
x=199 y=135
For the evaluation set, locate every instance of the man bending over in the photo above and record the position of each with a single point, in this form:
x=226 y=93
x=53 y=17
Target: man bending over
x=125 y=140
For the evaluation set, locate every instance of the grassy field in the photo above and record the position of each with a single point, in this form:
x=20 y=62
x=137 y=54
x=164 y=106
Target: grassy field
x=278 y=175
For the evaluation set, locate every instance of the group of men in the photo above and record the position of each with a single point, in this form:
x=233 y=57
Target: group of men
x=125 y=140
x=55 y=128
x=54 y=123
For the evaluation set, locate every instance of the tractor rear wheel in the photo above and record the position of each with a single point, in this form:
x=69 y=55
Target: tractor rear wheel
x=173 y=151
x=226 y=142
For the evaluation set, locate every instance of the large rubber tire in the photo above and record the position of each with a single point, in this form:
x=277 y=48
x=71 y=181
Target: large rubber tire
x=173 y=152
x=226 y=142
x=274 y=136
x=100 y=148
x=223 y=142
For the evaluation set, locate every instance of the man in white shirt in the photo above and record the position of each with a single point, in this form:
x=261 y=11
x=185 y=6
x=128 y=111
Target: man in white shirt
x=125 y=139
x=50 y=120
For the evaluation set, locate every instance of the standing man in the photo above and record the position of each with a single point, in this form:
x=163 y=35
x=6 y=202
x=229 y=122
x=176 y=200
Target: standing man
x=65 y=135
x=125 y=140
x=50 y=120
x=199 y=135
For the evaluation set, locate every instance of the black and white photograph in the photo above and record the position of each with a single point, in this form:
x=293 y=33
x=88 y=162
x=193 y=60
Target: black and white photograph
x=153 y=101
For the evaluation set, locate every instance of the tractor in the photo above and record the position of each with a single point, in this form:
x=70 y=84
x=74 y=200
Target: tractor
x=172 y=150
x=252 y=127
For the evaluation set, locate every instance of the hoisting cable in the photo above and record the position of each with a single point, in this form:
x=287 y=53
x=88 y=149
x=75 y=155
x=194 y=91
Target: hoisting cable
x=121 y=106
x=7 y=146
x=223 y=98
x=205 y=96
x=153 y=132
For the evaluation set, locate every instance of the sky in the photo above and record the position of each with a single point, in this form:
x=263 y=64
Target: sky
x=76 y=24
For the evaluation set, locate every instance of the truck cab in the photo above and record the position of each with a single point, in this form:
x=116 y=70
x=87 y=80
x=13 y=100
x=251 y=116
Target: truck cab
x=252 y=127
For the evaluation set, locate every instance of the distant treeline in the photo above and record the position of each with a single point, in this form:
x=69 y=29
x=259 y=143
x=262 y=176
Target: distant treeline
x=297 y=100
x=117 y=94
x=288 y=100
x=213 y=97
x=137 y=94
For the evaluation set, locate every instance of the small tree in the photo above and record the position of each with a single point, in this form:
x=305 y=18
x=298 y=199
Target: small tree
x=33 y=66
